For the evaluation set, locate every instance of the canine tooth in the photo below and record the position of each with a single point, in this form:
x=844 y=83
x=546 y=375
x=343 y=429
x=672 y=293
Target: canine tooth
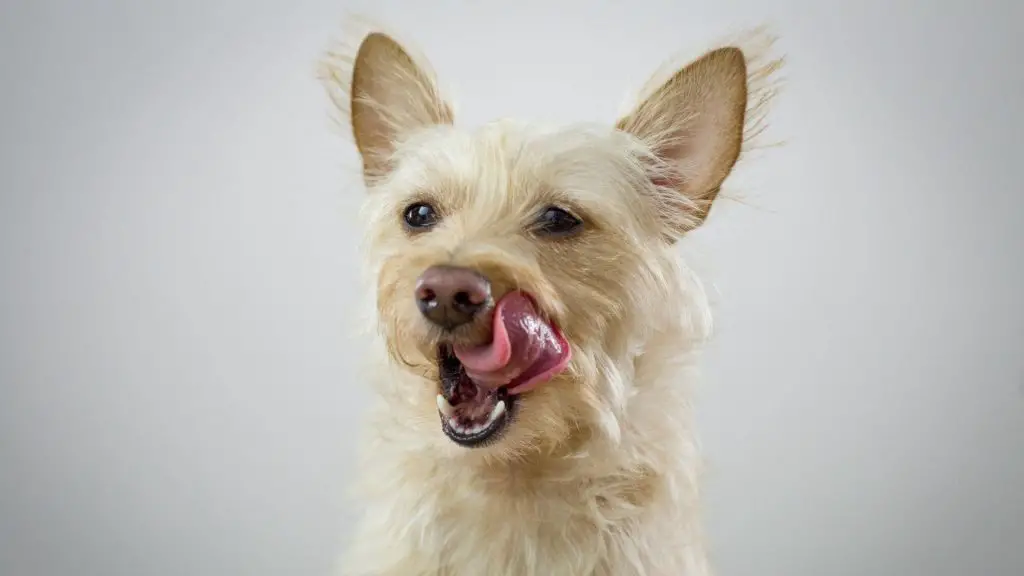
x=497 y=411
x=444 y=406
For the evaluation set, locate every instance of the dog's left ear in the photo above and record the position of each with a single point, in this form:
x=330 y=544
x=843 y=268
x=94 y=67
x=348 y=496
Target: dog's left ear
x=693 y=126
x=391 y=97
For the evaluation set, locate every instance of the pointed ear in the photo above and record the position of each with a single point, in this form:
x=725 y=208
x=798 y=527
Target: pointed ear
x=391 y=97
x=693 y=127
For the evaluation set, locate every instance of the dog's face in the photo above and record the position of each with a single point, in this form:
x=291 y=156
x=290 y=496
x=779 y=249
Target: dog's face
x=520 y=270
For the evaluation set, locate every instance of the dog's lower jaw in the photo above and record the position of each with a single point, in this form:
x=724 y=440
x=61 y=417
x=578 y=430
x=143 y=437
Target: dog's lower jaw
x=608 y=510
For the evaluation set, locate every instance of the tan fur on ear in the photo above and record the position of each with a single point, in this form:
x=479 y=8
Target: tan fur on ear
x=697 y=122
x=385 y=95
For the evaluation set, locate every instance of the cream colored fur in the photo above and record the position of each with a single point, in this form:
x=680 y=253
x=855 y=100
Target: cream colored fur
x=599 y=473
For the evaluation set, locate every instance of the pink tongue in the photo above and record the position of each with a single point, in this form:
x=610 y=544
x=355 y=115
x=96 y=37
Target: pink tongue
x=524 y=351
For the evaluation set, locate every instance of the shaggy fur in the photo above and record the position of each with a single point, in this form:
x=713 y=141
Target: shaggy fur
x=598 y=473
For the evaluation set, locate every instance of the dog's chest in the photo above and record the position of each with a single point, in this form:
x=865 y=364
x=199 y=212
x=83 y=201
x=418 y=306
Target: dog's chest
x=579 y=528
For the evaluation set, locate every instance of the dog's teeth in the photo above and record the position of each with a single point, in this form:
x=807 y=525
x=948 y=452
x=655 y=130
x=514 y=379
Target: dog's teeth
x=444 y=406
x=498 y=410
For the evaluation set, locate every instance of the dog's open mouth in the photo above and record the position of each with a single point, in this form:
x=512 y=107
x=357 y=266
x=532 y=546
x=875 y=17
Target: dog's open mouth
x=480 y=384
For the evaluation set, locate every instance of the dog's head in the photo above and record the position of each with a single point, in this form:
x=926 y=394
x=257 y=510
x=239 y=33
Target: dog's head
x=520 y=271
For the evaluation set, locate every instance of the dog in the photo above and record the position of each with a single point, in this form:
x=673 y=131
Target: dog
x=536 y=329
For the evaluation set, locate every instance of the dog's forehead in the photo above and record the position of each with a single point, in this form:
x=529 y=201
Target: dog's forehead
x=515 y=163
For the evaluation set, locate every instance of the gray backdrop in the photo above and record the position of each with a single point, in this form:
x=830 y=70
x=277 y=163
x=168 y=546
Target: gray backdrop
x=178 y=248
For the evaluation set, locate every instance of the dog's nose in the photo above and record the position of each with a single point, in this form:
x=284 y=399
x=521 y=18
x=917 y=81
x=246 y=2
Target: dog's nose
x=451 y=296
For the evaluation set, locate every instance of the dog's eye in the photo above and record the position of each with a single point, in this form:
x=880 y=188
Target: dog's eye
x=420 y=215
x=557 y=222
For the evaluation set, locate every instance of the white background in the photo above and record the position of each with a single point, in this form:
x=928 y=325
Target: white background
x=178 y=255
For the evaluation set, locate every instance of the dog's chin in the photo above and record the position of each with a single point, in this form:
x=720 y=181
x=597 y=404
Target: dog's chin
x=472 y=416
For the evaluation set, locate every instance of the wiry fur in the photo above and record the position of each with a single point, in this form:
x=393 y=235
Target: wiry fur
x=598 y=475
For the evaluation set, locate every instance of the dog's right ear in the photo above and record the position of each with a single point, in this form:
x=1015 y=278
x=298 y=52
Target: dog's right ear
x=391 y=96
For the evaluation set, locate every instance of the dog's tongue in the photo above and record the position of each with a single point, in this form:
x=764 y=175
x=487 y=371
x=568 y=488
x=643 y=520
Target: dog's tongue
x=524 y=352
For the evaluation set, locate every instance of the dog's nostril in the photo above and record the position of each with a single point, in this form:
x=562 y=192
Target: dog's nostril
x=469 y=298
x=468 y=302
x=426 y=295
